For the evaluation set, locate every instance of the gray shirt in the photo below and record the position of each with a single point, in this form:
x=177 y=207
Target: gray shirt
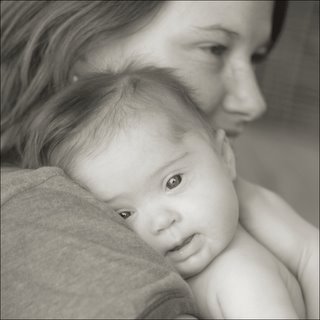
x=65 y=254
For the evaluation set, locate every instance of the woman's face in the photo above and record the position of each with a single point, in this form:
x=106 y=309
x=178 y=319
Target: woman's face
x=213 y=45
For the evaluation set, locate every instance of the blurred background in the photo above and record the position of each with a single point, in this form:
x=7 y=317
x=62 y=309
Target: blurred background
x=281 y=151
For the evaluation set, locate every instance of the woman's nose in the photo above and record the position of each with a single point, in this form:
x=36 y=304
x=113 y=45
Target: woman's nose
x=243 y=96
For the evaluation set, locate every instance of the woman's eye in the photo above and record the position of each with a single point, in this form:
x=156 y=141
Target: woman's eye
x=125 y=214
x=174 y=181
x=218 y=50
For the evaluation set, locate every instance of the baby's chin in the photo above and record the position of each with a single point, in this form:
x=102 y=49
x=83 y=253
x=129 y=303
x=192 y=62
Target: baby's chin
x=195 y=264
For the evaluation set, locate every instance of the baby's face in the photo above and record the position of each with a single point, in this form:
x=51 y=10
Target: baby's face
x=177 y=196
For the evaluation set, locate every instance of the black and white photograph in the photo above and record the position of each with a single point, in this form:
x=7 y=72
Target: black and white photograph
x=160 y=159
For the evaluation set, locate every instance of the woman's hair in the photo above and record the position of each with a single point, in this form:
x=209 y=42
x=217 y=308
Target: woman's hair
x=84 y=117
x=42 y=40
x=279 y=14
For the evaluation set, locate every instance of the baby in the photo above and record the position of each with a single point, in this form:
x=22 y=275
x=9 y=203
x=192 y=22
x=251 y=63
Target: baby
x=137 y=140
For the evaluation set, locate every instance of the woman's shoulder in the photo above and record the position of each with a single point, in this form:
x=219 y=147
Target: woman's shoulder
x=38 y=192
x=15 y=181
x=66 y=254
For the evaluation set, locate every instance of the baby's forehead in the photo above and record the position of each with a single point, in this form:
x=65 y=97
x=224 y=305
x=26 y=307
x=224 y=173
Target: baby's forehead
x=171 y=121
x=163 y=104
x=165 y=107
x=160 y=120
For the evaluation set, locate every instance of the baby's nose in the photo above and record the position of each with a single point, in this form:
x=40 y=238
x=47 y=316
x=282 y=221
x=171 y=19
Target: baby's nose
x=163 y=219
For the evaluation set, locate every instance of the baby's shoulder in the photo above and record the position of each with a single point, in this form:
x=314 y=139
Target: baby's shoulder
x=244 y=262
x=247 y=273
x=246 y=279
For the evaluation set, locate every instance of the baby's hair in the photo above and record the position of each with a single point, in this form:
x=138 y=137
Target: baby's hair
x=92 y=110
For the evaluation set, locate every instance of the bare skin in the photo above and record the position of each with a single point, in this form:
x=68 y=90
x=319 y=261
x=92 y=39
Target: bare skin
x=183 y=191
x=247 y=282
x=213 y=48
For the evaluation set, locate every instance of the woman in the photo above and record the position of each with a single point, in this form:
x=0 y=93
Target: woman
x=213 y=45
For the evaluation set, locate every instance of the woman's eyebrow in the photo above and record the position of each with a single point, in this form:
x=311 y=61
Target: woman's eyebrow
x=219 y=28
x=232 y=34
x=227 y=32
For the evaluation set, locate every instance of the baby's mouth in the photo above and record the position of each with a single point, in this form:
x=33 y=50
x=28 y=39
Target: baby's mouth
x=185 y=242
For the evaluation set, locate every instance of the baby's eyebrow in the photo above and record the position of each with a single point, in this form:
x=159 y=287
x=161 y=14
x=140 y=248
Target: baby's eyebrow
x=154 y=174
x=112 y=199
x=169 y=164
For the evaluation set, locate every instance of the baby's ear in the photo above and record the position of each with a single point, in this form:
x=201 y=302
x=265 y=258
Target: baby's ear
x=226 y=153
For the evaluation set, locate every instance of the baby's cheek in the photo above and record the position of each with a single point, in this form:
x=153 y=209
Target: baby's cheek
x=226 y=230
x=230 y=211
x=144 y=233
x=231 y=222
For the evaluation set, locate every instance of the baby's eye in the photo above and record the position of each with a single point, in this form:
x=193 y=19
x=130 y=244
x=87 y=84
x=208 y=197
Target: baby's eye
x=174 y=181
x=125 y=214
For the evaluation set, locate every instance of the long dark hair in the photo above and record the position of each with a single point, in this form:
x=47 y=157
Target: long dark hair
x=279 y=14
x=42 y=40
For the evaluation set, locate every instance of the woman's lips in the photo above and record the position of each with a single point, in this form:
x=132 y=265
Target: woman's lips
x=233 y=131
x=233 y=134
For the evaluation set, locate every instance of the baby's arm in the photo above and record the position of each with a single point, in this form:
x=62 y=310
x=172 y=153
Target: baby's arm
x=278 y=227
x=245 y=281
